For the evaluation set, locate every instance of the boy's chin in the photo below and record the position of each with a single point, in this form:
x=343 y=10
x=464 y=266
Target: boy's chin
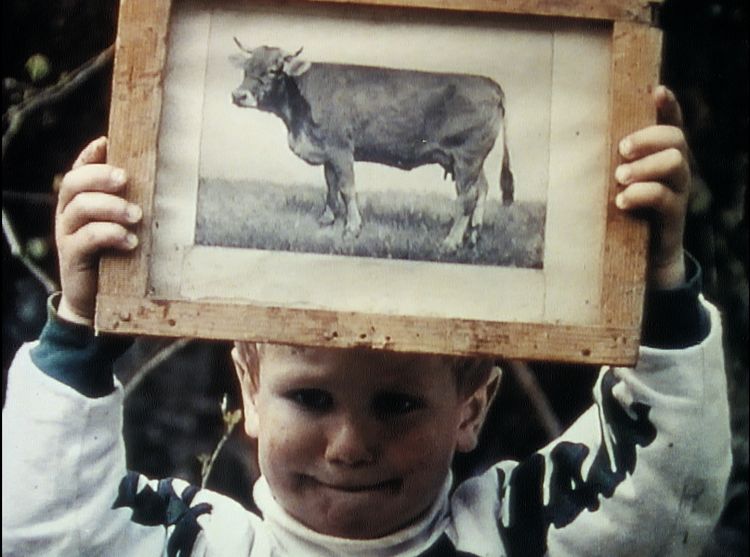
x=359 y=516
x=359 y=526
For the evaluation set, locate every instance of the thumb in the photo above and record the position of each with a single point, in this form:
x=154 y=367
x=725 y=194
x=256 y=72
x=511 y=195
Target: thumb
x=94 y=152
x=668 y=111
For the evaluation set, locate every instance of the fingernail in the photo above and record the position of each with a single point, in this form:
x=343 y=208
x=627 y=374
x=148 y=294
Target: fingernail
x=622 y=173
x=134 y=213
x=620 y=201
x=626 y=146
x=131 y=240
x=118 y=176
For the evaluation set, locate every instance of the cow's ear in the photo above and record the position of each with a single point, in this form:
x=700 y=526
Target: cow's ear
x=295 y=67
x=238 y=60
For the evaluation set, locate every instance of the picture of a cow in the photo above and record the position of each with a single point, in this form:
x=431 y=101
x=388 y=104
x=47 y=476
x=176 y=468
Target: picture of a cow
x=336 y=114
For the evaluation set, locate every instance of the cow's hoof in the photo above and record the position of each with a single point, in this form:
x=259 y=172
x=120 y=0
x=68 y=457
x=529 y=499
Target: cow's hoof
x=327 y=218
x=351 y=234
x=507 y=199
x=473 y=239
x=449 y=245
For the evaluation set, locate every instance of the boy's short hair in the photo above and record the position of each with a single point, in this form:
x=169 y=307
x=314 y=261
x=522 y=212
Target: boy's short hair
x=469 y=373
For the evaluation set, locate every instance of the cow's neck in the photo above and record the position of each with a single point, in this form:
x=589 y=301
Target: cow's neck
x=288 y=104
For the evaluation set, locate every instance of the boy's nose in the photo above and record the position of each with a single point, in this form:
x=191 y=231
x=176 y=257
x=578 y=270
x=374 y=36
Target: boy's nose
x=350 y=444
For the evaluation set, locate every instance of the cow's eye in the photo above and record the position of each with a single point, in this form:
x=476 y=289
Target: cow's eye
x=312 y=400
x=393 y=404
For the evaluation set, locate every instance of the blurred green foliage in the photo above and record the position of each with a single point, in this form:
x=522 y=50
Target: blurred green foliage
x=37 y=67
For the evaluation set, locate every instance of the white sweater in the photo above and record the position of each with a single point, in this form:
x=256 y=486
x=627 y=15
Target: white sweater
x=642 y=472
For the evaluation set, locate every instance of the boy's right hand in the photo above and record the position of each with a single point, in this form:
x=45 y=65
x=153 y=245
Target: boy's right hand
x=91 y=216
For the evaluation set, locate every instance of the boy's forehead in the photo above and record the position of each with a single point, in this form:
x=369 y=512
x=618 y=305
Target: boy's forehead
x=275 y=356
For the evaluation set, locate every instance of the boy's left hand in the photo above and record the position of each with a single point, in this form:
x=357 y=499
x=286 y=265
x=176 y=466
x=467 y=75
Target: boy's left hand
x=656 y=178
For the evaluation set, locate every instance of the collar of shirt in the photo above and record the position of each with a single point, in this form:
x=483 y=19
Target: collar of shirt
x=294 y=538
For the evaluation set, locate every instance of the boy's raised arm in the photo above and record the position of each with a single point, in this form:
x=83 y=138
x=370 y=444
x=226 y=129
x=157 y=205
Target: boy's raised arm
x=643 y=471
x=90 y=217
x=655 y=180
x=655 y=177
x=63 y=456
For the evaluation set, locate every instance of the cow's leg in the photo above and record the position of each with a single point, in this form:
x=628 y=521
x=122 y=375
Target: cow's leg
x=333 y=208
x=344 y=169
x=477 y=215
x=466 y=203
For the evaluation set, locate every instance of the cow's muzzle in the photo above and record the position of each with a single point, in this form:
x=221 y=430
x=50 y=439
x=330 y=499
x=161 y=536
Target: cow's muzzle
x=241 y=97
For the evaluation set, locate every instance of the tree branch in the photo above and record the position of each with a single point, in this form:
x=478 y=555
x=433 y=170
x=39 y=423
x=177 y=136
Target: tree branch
x=157 y=359
x=231 y=419
x=19 y=253
x=536 y=396
x=15 y=117
x=17 y=114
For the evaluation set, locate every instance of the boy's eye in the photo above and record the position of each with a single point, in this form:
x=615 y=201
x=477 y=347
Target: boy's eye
x=315 y=400
x=388 y=405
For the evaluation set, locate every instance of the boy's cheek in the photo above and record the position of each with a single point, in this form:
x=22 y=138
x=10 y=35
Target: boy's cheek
x=424 y=449
x=285 y=440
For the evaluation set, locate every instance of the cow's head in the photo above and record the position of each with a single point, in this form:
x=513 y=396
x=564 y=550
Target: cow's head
x=265 y=69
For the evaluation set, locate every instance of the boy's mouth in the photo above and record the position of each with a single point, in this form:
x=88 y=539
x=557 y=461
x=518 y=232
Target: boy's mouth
x=392 y=485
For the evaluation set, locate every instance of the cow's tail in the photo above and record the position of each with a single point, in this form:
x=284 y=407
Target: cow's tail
x=506 y=175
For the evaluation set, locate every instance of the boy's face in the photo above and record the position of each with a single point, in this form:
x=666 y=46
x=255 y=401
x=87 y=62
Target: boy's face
x=354 y=443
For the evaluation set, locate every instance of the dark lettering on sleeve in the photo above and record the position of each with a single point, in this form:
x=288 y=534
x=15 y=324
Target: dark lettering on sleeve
x=569 y=493
x=163 y=507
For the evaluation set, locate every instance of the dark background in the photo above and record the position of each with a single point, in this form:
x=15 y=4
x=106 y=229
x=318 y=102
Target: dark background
x=173 y=414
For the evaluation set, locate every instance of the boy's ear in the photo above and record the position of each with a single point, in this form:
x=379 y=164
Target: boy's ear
x=246 y=364
x=474 y=411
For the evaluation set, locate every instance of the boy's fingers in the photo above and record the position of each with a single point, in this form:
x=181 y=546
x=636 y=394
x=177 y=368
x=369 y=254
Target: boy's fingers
x=668 y=110
x=669 y=166
x=649 y=195
x=96 y=206
x=90 y=177
x=93 y=237
x=94 y=152
x=651 y=140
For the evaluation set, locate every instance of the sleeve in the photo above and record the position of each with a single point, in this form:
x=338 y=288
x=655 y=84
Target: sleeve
x=63 y=460
x=675 y=317
x=65 y=487
x=642 y=472
x=75 y=356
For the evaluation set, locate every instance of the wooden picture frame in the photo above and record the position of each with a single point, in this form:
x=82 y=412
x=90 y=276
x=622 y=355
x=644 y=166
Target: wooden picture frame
x=450 y=307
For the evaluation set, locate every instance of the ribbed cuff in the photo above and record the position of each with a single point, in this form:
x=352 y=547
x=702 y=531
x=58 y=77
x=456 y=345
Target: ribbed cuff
x=75 y=356
x=674 y=318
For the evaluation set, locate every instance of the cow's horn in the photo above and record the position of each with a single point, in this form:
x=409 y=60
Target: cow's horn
x=289 y=57
x=242 y=48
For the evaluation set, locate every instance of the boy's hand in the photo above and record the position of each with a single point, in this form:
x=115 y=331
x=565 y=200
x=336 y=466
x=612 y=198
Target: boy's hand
x=91 y=216
x=656 y=179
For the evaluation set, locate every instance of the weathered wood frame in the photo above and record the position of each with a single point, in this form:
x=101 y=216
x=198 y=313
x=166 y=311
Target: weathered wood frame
x=124 y=304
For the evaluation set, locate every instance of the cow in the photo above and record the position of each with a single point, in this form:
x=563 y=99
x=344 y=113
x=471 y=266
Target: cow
x=336 y=114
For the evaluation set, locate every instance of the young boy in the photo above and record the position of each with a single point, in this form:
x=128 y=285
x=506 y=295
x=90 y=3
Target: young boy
x=355 y=446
